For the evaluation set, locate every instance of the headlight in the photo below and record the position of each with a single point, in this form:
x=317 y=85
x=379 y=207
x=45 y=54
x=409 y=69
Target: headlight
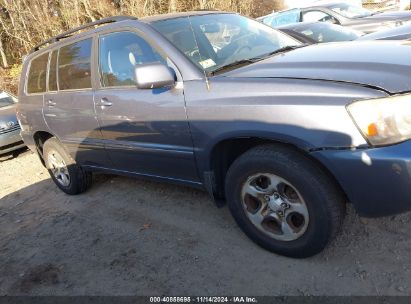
x=383 y=121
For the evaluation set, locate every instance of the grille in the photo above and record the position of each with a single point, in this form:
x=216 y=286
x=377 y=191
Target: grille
x=12 y=129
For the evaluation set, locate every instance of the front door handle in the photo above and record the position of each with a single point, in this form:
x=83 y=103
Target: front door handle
x=51 y=103
x=104 y=103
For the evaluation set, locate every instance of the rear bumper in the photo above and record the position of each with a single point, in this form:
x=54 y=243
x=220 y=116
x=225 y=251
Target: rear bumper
x=10 y=141
x=377 y=181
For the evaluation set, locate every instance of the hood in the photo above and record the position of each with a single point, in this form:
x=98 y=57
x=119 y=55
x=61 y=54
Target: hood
x=381 y=64
x=7 y=114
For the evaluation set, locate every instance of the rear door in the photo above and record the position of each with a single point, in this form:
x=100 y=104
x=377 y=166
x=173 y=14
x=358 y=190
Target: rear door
x=145 y=131
x=69 y=103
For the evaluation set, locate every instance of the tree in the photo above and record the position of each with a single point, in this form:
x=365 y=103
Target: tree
x=3 y=55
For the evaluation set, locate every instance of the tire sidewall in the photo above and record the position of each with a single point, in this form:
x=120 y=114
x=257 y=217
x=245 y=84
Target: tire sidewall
x=318 y=230
x=54 y=145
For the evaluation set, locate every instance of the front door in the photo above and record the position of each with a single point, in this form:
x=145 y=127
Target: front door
x=145 y=130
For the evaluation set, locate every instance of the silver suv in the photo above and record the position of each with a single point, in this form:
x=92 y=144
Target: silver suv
x=284 y=133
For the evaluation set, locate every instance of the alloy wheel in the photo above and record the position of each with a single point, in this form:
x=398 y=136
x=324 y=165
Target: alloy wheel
x=275 y=207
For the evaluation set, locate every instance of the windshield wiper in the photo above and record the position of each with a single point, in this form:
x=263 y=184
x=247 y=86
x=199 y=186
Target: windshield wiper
x=233 y=65
x=282 y=50
x=255 y=59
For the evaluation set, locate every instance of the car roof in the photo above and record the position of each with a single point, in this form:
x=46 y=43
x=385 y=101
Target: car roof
x=155 y=18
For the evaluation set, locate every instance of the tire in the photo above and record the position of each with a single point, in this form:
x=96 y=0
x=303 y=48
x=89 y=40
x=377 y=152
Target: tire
x=316 y=205
x=76 y=180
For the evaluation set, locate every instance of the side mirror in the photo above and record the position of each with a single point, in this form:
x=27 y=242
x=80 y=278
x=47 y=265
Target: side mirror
x=153 y=76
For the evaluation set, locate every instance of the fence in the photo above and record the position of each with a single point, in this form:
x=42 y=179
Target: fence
x=386 y=5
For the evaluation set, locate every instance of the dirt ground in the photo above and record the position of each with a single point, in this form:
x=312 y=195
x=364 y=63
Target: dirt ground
x=133 y=237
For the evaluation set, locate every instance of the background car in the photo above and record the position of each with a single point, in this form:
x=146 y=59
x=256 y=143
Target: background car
x=10 y=139
x=340 y=13
x=399 y=33
x=319 y=32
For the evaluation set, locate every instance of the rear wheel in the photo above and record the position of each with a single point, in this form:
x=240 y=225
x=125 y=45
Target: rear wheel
x=283 y=201
x=66 y=174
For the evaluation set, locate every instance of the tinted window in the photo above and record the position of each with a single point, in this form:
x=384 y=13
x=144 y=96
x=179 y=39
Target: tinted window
x=37 y=75
x=287 y=17
x=74 y=66
x=53 y=72
x=119 y=53
x=313 y=16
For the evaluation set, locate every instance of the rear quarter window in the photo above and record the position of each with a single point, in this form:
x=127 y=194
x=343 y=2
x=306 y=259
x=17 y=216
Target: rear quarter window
x=36 y=82
x=74 y=66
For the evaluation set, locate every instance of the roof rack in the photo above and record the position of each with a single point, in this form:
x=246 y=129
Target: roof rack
x=85 y=26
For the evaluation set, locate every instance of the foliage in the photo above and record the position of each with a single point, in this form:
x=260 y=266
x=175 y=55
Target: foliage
x=25 y=23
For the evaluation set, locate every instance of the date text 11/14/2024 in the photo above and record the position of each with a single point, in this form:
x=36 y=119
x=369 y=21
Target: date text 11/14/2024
x=165 y=299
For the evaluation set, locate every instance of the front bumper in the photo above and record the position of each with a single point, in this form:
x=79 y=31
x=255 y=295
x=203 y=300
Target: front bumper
x=377 y=180
x=10 y=141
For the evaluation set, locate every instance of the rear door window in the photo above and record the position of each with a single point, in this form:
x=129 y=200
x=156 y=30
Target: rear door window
x=53 y=72
x=36 y=82
x=74 y=66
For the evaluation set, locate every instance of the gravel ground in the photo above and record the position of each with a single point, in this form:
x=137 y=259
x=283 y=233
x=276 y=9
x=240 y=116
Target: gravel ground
x=127 y=236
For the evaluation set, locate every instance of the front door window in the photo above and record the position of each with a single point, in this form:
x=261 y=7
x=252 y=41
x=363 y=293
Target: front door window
x=119 y=54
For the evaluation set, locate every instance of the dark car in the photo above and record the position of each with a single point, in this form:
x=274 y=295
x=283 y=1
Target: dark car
x=320 y=32
x=285 y=134
x=399 y=33
x=10 y=139
x=340 y=13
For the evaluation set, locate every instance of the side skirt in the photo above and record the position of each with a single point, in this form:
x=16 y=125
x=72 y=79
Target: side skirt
x=196 y=185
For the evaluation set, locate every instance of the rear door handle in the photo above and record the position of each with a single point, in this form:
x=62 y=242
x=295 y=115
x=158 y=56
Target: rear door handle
x=104 y=103
x=51 y=103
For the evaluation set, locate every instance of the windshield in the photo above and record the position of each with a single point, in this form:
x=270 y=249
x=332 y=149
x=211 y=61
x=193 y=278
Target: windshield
x=213 y=41
x=350 y=11
x=327 y=32
x=6 y=99
x=283 y=18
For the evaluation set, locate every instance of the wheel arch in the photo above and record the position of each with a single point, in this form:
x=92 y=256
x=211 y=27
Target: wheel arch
x=40 y=137
x=227 y=150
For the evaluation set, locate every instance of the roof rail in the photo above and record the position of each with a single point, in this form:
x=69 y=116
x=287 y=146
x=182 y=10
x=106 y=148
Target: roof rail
x=82 y=27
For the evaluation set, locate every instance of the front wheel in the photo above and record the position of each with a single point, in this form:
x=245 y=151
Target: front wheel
x=284 y=201
x=66 y=174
